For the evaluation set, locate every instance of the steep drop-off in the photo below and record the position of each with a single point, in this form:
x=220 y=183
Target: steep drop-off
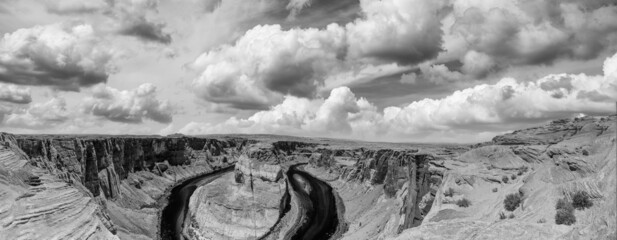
x=125 y=178
x=174 y=213
x=115 y=187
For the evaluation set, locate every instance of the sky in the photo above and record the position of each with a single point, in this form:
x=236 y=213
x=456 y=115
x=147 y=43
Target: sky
x=375 y=70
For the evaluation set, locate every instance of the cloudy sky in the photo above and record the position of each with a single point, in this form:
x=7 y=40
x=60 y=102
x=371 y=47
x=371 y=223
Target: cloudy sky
x=376 y=70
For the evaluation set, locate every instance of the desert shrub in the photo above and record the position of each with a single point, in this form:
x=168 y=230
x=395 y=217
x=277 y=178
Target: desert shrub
x=502 y=215
x=581 y=200
x=512 y=201
x=565 y=212
x=585 y=152
x=564 y=204
x=449 y=192
x=504 y=179
x=463 y=203
x=511 y=215
x=542 y=220
x=520 y=172
x=494 y=189
x=564 y=216
x=513 y=177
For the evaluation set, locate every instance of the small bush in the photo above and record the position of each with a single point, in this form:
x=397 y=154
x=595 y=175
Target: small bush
x=565 y=217
x=512 y=201
x=581 y=200
x=463 y=203
x=520 y=172
x=449 y=192
x=564 y=204
x=542 y=220
x=504 y=179
x=502 y=215
x=513 y=177
x=585 y=152
x=511 y=215
x=494 y=189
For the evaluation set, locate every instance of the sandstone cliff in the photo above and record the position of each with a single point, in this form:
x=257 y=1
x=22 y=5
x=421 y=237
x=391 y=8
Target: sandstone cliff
x=122 y=180
x=108 y=187
x=542 y=165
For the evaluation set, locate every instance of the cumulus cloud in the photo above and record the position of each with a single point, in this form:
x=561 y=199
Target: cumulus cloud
x=439 y=74
x=15 y=94
x=505 y=33
x=267 y=63
x=486 y=107
x=128 y=106
x=129 y=17
x=399 y=31
x=134 y=20
x=39 y=115
x=144 y=29
x=340 y=113
x=64 y=56
x=477 y=64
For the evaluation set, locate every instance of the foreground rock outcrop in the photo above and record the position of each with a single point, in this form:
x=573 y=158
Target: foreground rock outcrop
x=36 y=204
x=542 y=165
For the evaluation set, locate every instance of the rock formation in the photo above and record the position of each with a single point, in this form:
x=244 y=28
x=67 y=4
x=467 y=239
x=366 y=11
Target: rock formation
x=110 y=187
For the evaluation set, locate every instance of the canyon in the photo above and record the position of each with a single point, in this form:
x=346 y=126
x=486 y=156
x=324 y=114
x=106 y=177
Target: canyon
x=281 y=187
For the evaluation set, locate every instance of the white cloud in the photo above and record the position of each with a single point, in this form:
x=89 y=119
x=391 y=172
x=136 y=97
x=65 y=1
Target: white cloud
x=65 y=56
x=477 y=64
x=267 y=63
x=39 y=115
x=481 y=109
x=439 y=74
x=507 y=33
x=134 y=18
x=399 y=31
x=128 y=106
x=15 y=94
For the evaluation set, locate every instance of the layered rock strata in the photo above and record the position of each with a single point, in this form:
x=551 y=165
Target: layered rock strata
x=108 y=187
x=123 y=180
x=242 y=205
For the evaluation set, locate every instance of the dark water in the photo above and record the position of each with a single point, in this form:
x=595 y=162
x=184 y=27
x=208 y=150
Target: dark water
x=320 y=205
x=174 y=213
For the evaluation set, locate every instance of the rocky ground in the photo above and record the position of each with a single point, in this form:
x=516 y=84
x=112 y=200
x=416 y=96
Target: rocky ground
x=80 y=187
x=108 y=187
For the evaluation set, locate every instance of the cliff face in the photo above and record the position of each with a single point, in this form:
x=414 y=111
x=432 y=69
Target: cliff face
x=107 y=187
x=542 y=165
x=124 y=177
x=100 y=163
x=409 y=178
x=35 y=204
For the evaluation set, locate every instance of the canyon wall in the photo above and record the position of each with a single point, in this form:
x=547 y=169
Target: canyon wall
x=114 y=187
x=123 y=179
x=540 y=165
